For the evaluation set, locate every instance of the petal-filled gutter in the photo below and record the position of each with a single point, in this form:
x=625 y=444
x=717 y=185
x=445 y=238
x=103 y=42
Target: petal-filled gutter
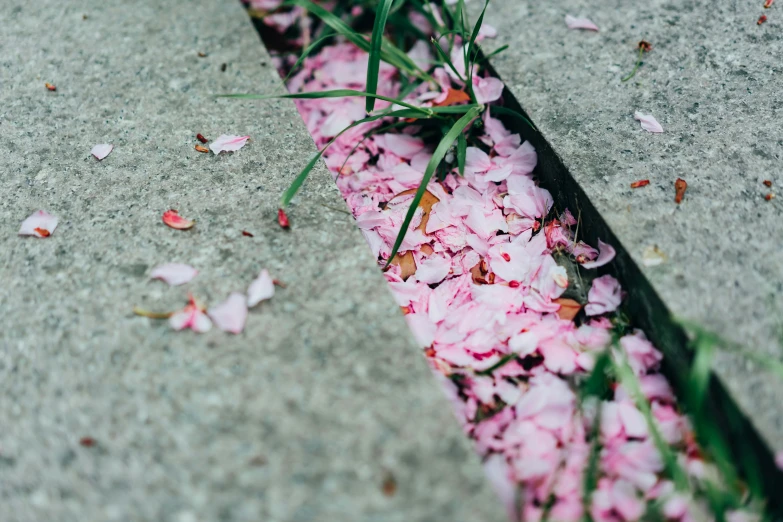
x=504 y=299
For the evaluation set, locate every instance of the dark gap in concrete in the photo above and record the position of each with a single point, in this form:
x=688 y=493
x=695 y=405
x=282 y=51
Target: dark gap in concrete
x=643 y=306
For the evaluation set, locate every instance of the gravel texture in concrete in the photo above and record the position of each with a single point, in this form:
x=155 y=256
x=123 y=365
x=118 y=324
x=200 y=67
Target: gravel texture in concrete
x=713 y=81
x=322 y=410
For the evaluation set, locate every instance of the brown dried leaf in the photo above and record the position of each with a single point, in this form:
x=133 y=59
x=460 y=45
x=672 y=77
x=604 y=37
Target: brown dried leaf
x=427 y=200
x=406 y=263
x=568 y=308
x=679 y=186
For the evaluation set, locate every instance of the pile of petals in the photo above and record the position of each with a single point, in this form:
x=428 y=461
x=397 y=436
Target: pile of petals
x=479 y=281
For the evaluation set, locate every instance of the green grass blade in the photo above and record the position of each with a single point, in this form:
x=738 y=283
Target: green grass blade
x=337 y=93
x=631 y=384
x=374 y=62
x=515 y=114
x=699 y=378
x=462 y=150
x=437 y=156
x=494 y=53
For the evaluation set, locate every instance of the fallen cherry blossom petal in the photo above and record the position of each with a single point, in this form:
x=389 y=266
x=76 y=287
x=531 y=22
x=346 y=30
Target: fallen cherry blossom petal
x=768 y=4
x=174 y=274
x=604 y=296
x=261 y=289
x=192 y=316
x=580 y=23
x=228 y=143
x=649 y=123
x=779 y=460
x=282 y=218
x=200 y=137
x=174 y=220
x=640 y=183
x=680 y=185
x=101 y=150
x=605 y=254
x=38 y=224
x=231 y=314
x=50 y=86
x=487 y=89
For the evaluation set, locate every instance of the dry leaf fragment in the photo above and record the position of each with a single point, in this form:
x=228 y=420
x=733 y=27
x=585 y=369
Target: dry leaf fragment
x=406 y=263
x=202 y=54
x=769 y=197
x=762 y=19
x=50 y=86
x=767 y=183
x=174 y=220
x=200 y=137
x=679 y=186
x=640 y=183
x=389 y=486
x=201 y=148
x=428 y=199
x=568 y=308
x=246 y=233
x=653 y=256
x=87 y=442
x=453 y=97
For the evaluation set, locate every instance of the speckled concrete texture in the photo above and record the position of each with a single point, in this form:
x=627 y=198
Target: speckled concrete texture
x=713 y=81
x=305 y=415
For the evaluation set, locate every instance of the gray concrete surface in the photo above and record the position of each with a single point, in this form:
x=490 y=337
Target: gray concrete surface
x=713 y=81
x=300 y=418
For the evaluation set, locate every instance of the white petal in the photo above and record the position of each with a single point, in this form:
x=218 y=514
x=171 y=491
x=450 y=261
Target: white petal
x=101 y=150
x=231 y=314
x=649 y=123
x=580 y=23
x=228 y=143
x=174 y=273
x=39 y=224
x=261 y=289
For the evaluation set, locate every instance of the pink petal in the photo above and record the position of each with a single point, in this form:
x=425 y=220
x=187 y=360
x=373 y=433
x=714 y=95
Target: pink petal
x=402 y=145
x=433 y=269
x=649 y=123
x=605 y=254
x=102 y=150
x=38 y=224
x=261 y=289
x=779 y=460
x=487 y=31
x=487 y=89
x=174 y=274
x=604 y=296
x=230 y=315
x=200 y=323
x=174 y=220
x=228 y=143
x=580 y=23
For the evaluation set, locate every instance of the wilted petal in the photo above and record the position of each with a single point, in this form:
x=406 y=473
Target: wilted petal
x=580 y=23
x=174 y=220
x=649 y=123
x=174 y=273
x=231 y=314
x=102 y=150
x=39 y=224
x=605 y=254
x=228 y=143
x=261 y=289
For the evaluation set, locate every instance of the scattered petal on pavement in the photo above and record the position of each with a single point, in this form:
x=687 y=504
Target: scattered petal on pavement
x=231 y=314
x=649 y=123
x=174 y=220
x=101 y=150
x=174 y=274
x=261 y=289
x=580 y=23
x=228 y=143
x=38 y=224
